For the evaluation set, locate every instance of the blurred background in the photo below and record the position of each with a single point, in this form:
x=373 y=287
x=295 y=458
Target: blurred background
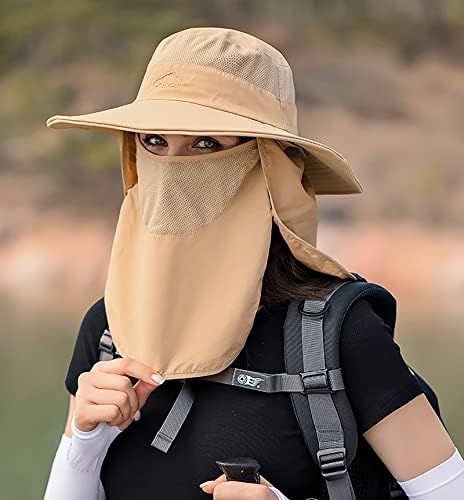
x=382 y=81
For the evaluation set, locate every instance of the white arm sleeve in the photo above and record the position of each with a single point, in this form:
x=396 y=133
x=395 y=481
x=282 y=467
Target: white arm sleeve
x=278 y=493
x=446 y=480
x=75 y=472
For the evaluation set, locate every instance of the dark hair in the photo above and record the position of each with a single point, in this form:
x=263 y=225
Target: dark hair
x=286 y=278
x=243 y=139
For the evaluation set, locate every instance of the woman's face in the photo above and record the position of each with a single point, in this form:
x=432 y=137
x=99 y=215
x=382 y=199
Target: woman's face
x=181 y=145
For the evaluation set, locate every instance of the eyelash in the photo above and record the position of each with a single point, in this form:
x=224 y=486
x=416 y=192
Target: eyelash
x=147 y=138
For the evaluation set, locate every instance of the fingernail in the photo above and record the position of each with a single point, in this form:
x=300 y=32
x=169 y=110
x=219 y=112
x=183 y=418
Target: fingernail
x=137 y=415
x=157 y=378
x=206 y=483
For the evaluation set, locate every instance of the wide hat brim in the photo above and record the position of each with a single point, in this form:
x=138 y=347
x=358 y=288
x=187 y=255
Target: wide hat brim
x=329 y=171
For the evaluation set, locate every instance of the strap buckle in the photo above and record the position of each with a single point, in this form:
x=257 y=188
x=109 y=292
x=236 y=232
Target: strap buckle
x=106 y=342
x=315 y=314
x=332 y=462
x=316 y=382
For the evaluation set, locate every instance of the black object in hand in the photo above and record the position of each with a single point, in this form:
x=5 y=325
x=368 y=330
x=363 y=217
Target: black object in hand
x=241 y=469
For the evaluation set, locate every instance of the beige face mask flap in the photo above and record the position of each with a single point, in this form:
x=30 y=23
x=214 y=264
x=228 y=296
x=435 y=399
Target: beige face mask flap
x=191 y=247
x=189 y=253
x=294 y=206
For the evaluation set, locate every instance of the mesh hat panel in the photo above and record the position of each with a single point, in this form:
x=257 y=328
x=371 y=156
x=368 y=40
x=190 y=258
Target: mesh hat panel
x=250 y=64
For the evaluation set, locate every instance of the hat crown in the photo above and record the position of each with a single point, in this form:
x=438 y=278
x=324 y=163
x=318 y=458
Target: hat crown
x=230 y=51
x=223 y=68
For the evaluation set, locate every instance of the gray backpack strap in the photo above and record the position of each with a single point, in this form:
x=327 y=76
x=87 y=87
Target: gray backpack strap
x=331 y=454
x=179 y=411
x=324 y=415
x=106 y=346
x=246 y=379
x=175 y=418
x=276 y=382
x=263 y=382
x=313 y=328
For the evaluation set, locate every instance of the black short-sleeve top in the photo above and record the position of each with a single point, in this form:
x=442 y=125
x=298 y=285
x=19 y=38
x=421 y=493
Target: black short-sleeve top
x=226 y=421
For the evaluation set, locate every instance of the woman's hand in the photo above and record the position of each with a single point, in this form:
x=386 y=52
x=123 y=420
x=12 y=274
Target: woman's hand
x=106 y=394
x=236 y=490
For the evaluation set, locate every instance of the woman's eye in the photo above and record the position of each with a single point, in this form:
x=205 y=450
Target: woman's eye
x=154 y=140
x=207 y=143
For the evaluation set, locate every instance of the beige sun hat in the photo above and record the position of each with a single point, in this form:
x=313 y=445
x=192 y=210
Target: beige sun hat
x=193 y=236
x=220 y=81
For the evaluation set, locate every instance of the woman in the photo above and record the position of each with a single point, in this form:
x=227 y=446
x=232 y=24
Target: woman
x=216 y=234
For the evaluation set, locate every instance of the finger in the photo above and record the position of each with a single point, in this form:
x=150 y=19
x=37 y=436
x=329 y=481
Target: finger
x=103 y=413
x=124 y=425
x=232 y=490
x=120 y=383
x=128 y=366
x=208 y=486
x=101 y=380
x=112 y=397
x=143 y=390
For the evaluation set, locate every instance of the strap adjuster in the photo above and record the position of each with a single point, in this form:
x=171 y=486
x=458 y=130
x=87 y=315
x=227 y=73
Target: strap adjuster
x=315 y=314
x=332 y=462
x=316 y=382
x=106 y=342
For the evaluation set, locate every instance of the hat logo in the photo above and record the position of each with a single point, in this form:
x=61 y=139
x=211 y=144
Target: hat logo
x=171 y=79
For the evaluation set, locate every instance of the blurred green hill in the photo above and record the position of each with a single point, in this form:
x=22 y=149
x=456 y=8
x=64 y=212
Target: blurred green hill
x=361 y=65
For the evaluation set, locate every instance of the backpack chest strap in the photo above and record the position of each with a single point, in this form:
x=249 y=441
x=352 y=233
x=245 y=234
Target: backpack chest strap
x=305 y=383
x=316 y=382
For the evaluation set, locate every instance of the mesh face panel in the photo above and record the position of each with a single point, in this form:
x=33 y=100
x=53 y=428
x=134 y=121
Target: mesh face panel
x=181 y=194
x=252 y=65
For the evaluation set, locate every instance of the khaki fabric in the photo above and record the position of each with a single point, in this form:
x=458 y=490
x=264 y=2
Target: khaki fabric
x=191 y=247
x=184 y=302
x=192 y=240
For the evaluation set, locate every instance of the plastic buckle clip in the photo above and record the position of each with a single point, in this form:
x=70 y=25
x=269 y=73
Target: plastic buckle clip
x=106 y=343
x=316 y=314
x=316 y=382
x=332 y=462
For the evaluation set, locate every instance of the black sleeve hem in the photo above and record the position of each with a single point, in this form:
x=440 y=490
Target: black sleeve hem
x=377 y=378
x=70 y=387
x=392 y=404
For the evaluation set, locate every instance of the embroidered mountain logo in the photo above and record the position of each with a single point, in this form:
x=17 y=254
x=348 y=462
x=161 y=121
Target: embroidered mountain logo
x=171 y=79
